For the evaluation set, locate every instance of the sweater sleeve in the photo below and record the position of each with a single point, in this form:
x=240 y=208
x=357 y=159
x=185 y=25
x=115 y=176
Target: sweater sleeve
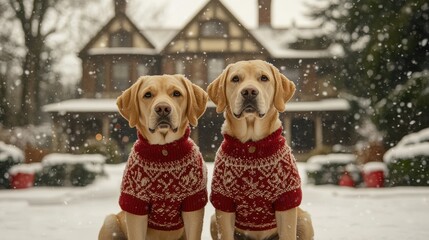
x=288 y=200
x=133 y=205
x=222 y=202
x=195 y=202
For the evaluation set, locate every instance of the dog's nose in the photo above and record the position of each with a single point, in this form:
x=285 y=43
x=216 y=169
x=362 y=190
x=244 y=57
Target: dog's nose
x=162 y=109
x=249 y=93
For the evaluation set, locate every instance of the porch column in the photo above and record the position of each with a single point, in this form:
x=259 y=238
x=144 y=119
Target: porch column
x=105 y=127
x=319 y=131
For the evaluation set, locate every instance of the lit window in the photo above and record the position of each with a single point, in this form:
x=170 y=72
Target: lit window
x=99 y=82
x=214 y=68
x=180 y=67
x=120 y=76
x=142 y=70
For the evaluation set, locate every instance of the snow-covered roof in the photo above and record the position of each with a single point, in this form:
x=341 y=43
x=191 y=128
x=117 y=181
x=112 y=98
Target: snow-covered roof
x=290 y=21
x=82 y=105
x=175 y=14
x=160 y=37
x=333 y=104
x=109 y=105
x=122 y=50
x=277 y=41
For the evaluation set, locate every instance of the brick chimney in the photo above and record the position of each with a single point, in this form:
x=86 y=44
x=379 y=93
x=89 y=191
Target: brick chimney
x=264 y=12
x=120 y=6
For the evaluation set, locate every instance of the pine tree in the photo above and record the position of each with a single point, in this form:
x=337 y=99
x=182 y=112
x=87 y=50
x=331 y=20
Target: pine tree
x=385 y=43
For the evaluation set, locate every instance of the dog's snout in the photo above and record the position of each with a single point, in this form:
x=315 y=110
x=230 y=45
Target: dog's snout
x=162 y=109
x=249 y=93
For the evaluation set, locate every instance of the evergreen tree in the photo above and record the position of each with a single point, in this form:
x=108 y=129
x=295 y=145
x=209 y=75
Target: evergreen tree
x=385 y=43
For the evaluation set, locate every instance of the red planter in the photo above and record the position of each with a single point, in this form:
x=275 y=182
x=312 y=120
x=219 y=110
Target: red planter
x=374 y=179
x=346 y=180
x=22 y=180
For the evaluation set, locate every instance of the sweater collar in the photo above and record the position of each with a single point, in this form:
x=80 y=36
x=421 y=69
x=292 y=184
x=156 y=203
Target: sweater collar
x=167 y=152
x=254 y=149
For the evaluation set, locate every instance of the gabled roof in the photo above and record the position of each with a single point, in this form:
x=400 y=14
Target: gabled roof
x=117 y=17
x=230 y=15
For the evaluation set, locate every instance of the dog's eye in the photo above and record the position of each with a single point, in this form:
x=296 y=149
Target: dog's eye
x=264 y=78
x=235 y=79
x=148 y=95
x=176 y=94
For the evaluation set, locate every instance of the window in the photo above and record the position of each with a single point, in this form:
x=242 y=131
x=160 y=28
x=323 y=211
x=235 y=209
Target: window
x=213 y=29
x=142 y=70
x=120 y=76
x=303 y=134
x=214 y=68
x=120 y=38
x=100 y=85
x=180 y=67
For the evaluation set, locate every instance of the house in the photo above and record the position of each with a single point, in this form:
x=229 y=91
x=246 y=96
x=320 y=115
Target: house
x=315 y=119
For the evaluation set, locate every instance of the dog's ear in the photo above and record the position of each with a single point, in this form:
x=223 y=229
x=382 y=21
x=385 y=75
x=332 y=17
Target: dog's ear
x=128 y=104
x=197 y=100
x=284 y=89
x=216 y=90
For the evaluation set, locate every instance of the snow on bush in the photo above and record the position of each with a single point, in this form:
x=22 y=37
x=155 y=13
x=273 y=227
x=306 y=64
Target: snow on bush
x=414 y=138
x=333 y=158
x=328 y=169
x=11 y=151
x=31 y=168
x=375 y=167
x=90 y=161
x=410 y=146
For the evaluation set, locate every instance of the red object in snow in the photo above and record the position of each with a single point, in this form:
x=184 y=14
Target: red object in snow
x=346 y=180
x=374 y=179
x=22 y=180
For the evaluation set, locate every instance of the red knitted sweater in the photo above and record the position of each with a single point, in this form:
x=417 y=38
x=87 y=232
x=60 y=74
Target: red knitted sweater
x=255 y=179
x=163 y=181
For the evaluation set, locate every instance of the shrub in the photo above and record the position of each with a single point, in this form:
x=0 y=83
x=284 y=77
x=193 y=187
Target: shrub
x=110 y=149
x=409 y=171
x=328 y=169
x=54 y=176
x=70 y=170
x=9 y=156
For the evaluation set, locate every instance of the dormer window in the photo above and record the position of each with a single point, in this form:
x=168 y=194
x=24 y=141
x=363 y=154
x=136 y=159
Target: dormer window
x=120 y=38
x=213 y=28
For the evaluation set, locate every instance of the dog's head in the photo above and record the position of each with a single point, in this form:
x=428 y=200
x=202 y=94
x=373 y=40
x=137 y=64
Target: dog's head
x=251 y=88
x=162 y=103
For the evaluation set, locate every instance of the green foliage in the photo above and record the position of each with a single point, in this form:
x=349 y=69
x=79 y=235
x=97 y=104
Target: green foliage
x=409 y=172
x=5 y=165
x=60 y=175
x=108 y=148
x=405 y=109
x=385 y=42
x=329 y=174
x=54 y=176
x=80 y=176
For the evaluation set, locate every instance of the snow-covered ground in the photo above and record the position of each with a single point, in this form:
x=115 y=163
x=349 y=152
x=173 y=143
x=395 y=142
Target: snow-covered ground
x=338 y=213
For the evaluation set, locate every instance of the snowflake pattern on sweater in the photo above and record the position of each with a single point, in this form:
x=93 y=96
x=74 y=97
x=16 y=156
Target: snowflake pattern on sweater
x=164 y=180
x=255 y=179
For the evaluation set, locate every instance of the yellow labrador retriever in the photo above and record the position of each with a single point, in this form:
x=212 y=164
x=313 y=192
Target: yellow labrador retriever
x=256 y=187
x=163 y=190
